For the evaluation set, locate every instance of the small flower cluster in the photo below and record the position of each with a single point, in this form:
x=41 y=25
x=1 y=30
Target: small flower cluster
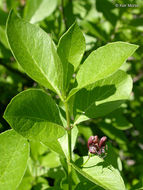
x=97 y=146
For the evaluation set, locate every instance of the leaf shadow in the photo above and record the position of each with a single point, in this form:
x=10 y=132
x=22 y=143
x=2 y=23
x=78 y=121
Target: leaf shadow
x=102 y=164
x=91 y=95
x=106 y=8
x=107 y=107
x=87 y=7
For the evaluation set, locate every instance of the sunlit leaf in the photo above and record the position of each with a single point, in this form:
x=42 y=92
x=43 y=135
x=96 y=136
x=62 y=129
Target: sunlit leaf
x=70 y=49
x=37 y=10
x=101 y=63
x=102 y=97
x=14 y=153
x=100 y=172
x=35 y=52
x=35 y=115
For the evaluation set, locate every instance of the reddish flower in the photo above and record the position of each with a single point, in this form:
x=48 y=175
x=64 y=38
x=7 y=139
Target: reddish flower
x=97 y=146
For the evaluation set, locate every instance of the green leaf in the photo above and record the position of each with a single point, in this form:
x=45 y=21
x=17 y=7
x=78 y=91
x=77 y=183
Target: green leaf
x=84 y=186
x=118 y=120
x=102 y=62
x=85 y=131
x=37 y=10
x=35 y=115
x=51 y=160
x=100 y=172
x=71 y=48
x=3 y=39
x=37 y=149
x=112 y=157
x=35 y=52
x=114 y=134
x=3 y=17
x=14 y=153
x=64 y=139
x=4 y=53
x=102 y=97
x=27 y=181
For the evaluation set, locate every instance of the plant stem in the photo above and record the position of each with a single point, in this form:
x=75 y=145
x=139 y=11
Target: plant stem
x=69 y=147
x=69 y=161
x=63 y=15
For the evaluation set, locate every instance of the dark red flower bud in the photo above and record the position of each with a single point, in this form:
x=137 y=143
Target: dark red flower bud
x=102 y=141
x=90 y=141
x=95 y=140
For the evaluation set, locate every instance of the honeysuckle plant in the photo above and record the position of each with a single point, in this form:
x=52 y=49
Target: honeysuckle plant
x=98 y=87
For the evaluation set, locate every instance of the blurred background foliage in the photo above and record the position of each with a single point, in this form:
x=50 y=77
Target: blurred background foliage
x=102 y=21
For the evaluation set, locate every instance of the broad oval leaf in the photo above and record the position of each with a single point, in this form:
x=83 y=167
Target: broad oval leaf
x=35 y=52
x=103 y=62
x=70 y=49
x=100 y=172
x=102 y=97
x=37 y=10
x=34 y=114
x=14 y=153
x=71 y=46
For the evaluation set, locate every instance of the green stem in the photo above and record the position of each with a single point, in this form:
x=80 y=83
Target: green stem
x=63 y=15
x=69 y=161
x=69 y=147
x=67 y=116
